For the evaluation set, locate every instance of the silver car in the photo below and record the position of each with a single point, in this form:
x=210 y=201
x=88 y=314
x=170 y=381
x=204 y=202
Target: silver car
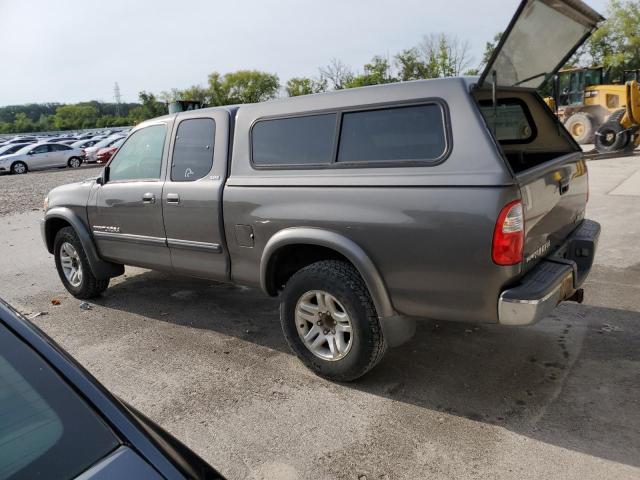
x=40 y=156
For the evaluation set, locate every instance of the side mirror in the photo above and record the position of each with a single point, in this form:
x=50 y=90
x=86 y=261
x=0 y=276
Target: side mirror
x=104 y=178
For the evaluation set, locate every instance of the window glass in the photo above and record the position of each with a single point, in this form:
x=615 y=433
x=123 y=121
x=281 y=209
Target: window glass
x=305 y=140
x=393 y=134
x=46 y=429
x=509 y=120
x=59 y=147
x=193 y=150
x=41 y=149
x=141 y=155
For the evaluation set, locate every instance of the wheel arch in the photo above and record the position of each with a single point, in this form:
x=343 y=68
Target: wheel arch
x=60 y=217
x=338 y=246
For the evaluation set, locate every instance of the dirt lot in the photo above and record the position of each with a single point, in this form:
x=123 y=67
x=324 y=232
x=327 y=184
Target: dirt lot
x=208 y=362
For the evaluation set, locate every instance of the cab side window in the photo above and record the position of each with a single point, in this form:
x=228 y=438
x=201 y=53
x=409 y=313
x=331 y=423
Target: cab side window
x=140 y=157
x=193 y=150
x=40 y=149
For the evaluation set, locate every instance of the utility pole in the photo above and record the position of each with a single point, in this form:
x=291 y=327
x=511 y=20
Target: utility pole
x=118 y=97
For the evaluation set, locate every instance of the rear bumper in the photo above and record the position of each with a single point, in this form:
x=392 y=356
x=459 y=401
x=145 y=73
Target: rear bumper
x=554 y=279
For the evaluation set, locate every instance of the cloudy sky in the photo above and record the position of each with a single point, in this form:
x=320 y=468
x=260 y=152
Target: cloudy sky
x=74 y=50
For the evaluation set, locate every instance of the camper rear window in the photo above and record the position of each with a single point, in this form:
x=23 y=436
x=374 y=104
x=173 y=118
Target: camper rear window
x=510 y=120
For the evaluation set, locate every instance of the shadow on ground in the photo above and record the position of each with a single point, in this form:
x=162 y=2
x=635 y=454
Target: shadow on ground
x=569 y=381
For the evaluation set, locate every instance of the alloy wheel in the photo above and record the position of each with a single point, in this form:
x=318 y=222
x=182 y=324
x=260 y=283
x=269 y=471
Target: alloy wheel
x=71 y=264
x=324 y=325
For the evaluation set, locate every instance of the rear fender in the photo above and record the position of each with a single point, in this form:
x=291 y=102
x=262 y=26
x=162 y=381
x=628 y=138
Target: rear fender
x=397 y=329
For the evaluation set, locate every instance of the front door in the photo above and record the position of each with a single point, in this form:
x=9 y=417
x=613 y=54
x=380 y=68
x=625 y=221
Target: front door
x=126 y=219
x=192 y=194
x=39 y=157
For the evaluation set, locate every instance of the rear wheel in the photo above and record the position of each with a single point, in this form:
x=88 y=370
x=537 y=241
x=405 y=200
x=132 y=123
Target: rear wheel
x=19 y=168
x=73 y=267
x=330 y=322
x=581 y=127
x=74 y=162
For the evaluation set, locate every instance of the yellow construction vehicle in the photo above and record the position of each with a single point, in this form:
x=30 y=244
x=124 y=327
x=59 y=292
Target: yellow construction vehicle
x=620 y=131
x=584 y=100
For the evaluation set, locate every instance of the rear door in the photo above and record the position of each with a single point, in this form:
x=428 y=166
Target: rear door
x=60 y=154
x=192 y=196
x=541 y=37
x=126 y=219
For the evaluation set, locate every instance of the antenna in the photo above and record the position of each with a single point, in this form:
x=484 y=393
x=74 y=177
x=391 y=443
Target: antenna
x=117 y=97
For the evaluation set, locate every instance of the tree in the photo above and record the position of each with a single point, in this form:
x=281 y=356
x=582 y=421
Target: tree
x=305 y=86
x=444 y=56
x=243 y=86
x=337 y=74
x=377 y=72
x=489 y=48
x=70 y=117
x=411 y=66
x=616 y=44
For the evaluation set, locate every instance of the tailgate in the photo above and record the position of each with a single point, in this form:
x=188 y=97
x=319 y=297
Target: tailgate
x=554 y=197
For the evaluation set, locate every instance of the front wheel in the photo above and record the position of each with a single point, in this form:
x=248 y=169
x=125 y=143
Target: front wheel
x=74 y=162
x=330 y=322
x=19 y=168
x=73 y=267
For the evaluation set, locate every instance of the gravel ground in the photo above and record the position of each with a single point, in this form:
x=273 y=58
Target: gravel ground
x=22 y=193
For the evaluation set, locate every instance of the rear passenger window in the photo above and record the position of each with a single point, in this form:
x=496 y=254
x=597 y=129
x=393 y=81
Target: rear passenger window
x=305 y=140
x=193 y=150
x=393 y=134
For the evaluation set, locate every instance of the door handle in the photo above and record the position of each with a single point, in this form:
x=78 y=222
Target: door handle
x=148 y=198
x=173 y=198
x=564 y=186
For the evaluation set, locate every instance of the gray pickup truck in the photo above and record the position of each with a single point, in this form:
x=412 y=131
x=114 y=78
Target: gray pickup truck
x=458 y=199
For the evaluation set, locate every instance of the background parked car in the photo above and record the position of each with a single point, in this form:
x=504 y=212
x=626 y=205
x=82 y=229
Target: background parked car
x=92 y=152
x=90 y=142
x=11 y=148
x=104 y=154
x=57 y=421
x=40 y=156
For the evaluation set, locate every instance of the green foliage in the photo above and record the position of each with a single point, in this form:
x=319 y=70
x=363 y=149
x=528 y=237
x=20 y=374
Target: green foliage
x=616 y=44
x=377 y=72
x=243 y=86
x=411 y=66
x=305 y=86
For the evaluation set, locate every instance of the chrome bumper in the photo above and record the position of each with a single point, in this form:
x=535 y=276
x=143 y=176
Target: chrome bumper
x=554 y=279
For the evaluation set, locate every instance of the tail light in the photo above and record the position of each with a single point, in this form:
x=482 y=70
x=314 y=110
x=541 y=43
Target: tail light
x=508 y=236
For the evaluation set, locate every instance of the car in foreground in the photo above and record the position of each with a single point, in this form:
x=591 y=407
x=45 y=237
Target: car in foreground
x=104 y=154
x=39 y=156
x=453 y=199
x=57 y=421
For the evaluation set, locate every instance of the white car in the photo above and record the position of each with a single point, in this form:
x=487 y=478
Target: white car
x=40 y=156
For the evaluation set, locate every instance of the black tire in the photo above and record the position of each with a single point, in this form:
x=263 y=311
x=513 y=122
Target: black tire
x=18 y=168
x=90 y=286
x=581 y=126
x=74 y=162
x=341 y=280
x=611 y=137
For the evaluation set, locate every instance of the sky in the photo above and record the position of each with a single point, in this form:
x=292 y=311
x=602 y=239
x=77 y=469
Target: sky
x=75 y=50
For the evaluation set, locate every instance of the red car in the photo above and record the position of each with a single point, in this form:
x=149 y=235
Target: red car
x=104 y=154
